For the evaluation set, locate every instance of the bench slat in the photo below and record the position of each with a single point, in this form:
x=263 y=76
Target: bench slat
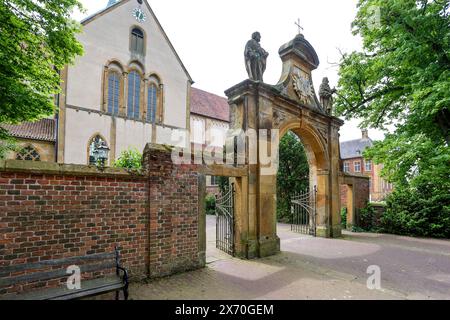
x=64 y=261
x=89 y=288
x=48 y=275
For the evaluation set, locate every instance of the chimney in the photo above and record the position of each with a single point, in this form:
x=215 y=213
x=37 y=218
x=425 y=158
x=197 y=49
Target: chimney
x=365 y=134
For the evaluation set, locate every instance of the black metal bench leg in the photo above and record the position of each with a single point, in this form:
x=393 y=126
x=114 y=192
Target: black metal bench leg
x=125 y=293
x=117 y=295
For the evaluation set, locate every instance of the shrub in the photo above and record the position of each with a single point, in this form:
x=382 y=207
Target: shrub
x=418 y=211
x=130 y=159
x=210 y=204
x=344 y=218
x=367 y=218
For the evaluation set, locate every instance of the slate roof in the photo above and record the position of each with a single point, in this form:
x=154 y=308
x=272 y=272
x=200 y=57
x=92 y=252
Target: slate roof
x=354 y=148
x=43 y=130
x=209 y=105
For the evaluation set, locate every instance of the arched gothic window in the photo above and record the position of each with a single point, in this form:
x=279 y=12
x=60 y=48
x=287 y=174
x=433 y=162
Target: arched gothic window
x=134 y=95
x=28 y=153
x=113 y=92
x=152 y=103
x=98 y=150
x=137 y=41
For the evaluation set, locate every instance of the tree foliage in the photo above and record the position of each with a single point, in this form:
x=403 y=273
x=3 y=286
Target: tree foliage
x=293 y=173
x=37 y=38
x=402 y=78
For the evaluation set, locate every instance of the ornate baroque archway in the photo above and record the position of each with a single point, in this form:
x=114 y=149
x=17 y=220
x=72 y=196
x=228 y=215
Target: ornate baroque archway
x=289 y=105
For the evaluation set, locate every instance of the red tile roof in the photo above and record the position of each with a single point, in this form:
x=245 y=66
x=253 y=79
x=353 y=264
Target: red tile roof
x=43 y=130
x=209 y=105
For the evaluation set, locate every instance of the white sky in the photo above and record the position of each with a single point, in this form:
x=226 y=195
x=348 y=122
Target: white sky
x=210 y=35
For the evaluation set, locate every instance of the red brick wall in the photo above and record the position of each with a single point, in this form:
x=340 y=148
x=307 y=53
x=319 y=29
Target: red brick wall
x=361 y=193
x=152 y=218
x=174 y=214
x=46 y=216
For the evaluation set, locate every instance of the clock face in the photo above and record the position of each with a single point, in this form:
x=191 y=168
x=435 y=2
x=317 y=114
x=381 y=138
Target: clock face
x=139 y=15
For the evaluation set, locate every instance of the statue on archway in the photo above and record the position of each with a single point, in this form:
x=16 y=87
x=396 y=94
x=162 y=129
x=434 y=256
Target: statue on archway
x=255 y=58
x=326 y=96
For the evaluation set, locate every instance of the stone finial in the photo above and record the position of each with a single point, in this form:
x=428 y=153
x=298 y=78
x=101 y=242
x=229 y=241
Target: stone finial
x=255 y=58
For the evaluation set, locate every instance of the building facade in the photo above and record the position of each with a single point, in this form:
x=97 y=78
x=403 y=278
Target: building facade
x=210 y=121
x=354 y=162
x=129 y=88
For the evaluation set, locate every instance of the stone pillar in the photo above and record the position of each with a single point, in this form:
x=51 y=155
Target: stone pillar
x=256 y=217
x=335 y=195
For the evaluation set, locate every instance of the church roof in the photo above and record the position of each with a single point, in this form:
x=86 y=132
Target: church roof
x=209 y=105
x=43 y=130
x=354 y=148
x=115 y=4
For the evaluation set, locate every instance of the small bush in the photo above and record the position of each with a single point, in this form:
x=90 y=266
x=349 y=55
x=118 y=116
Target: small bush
x=367 y=219
x=210 y=204
x=129 y=159
x=344 y=218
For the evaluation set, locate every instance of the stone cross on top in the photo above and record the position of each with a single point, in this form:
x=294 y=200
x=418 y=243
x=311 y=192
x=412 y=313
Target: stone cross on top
x=300 y=28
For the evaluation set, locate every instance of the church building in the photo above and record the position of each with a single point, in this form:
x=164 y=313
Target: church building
x=129 y=88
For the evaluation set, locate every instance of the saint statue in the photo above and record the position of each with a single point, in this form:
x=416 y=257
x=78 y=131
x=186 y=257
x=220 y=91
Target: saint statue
x=255 y=58
x=326 y=96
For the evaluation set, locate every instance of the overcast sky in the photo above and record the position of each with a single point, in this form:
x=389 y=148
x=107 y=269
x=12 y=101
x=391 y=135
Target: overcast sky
x=210 y=36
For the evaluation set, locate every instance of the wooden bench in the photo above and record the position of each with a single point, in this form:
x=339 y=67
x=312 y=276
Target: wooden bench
x=32 y=272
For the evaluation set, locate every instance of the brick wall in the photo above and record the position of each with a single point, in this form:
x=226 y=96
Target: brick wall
x=47 y=216
x=50 y=211
x=175 y=209
x=361 y=192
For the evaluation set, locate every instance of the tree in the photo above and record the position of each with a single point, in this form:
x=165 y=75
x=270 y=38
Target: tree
x=293 y=173
x=402 y=78
x=37 y=39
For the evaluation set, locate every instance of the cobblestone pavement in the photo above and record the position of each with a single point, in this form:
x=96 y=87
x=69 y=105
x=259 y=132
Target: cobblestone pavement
x=315 y=268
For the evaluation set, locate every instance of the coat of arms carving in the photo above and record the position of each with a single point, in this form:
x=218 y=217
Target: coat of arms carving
x=303 y=86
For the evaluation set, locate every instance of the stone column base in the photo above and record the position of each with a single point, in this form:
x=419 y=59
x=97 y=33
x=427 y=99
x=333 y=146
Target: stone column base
x=269 y=247
x=325 y=232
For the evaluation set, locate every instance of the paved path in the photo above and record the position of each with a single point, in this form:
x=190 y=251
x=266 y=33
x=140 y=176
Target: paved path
x=316 y=268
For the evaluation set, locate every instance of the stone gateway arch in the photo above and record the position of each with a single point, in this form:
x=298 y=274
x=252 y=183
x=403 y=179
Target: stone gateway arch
x=290 y=105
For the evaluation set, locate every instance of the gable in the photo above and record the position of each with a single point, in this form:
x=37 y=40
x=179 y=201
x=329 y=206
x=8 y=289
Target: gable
x=151 y=19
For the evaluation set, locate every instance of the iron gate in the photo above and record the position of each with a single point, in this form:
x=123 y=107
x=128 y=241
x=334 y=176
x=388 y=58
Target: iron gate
x=303 y=212
x=225 y=221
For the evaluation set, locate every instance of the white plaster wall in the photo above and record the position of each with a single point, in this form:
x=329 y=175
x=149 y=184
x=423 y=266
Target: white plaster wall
x=80 y=127
x=132 y=134
x=107 y=37
x=208 y=131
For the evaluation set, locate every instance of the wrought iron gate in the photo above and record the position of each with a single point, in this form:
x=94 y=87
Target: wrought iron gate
x=303 y=212
x=225 y=221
